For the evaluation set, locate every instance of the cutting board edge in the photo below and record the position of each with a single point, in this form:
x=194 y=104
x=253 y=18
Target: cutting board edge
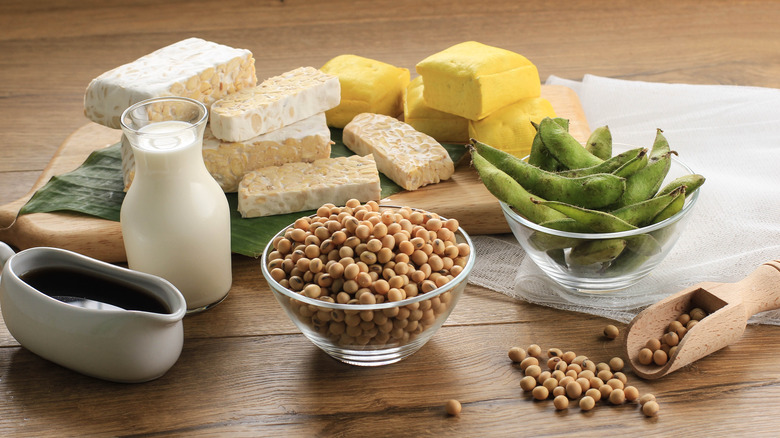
x=44 y=229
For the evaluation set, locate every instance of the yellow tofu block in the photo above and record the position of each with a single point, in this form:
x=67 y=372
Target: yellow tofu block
x=472 y=79
x=510 y=128
x=444 y=127
x=367 y=86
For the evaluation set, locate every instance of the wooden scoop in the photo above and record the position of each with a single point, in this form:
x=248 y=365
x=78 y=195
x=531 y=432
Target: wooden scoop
x=729 y=306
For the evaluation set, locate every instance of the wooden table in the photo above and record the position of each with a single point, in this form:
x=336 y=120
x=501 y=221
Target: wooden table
x=245 y=368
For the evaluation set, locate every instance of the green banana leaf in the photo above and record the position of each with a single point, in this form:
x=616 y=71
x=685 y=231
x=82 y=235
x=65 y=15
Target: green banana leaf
x=96 y=189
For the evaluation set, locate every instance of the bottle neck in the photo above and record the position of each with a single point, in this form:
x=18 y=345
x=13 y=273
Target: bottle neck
x=167 y=151
x=169 y=163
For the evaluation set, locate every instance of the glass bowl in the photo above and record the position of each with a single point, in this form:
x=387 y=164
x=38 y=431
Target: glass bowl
x=371 y=334
x=550 y=249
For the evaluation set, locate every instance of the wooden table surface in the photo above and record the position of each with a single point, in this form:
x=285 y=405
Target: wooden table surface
x=245 y=369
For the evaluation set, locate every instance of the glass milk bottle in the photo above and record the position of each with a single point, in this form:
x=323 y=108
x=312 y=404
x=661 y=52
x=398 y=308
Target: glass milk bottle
x=175 y=218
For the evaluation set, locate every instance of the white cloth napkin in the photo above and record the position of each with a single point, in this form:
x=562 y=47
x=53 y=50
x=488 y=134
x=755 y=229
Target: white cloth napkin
x=729 y=134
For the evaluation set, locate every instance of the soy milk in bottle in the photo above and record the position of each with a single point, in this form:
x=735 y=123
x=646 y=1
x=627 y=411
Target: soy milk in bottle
x=175 y=218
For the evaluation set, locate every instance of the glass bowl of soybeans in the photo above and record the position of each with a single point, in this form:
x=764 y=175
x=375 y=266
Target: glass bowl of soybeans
x=369 y=284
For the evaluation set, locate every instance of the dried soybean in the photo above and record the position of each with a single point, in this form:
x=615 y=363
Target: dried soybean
x=453 y=407
x=658 y=351
x=344 y=255
x=579 y=383
x=611 y=331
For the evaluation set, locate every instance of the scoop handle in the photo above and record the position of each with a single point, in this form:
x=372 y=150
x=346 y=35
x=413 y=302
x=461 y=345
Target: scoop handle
x=761 y=289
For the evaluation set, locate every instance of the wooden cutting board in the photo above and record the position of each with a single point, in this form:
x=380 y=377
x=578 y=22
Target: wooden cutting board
x=463 y=197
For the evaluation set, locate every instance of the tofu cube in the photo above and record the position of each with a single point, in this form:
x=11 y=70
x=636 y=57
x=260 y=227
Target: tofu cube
x=444 y=127
x=367 y=86
x=510 y=128
x=472 y=80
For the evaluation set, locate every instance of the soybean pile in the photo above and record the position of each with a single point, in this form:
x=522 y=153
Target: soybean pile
x=569 y=187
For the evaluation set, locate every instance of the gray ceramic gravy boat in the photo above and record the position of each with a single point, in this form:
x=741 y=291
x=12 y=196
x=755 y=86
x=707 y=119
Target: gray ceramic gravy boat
x=102 y=341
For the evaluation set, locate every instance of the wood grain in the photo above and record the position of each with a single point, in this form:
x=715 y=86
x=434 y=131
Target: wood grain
x=245 y=369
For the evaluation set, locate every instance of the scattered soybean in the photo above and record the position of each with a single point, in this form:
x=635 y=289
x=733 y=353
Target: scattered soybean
x=571 y=378
x=587 y=403
x=453 y=407
x=646 y=398
x=650 y=408
x=517 y=354
x=611 y=331
x=617 y=396
x=534 y=350
x=561 y=402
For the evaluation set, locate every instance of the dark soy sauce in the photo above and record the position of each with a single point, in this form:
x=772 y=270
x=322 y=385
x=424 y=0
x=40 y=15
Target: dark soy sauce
x=81 y=289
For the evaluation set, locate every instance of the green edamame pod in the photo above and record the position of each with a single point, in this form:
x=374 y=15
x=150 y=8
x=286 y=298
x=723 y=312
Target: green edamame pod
x=643 y=244
x=563 y=123
x=608 y=166
x=600 y=143
x=505 y=188
x=660 y=146
x=596 y=251
x=566 y=224
x=539 y=155
x=673 y=208
x=565 y=148
x=550 y=242
x=598 y=221
x=633 y=166
x=690 y=181
x=592 y=191
x=645 y=183
x=643 y=213
x=544 y=241
x=628 y=261
x=558 y=256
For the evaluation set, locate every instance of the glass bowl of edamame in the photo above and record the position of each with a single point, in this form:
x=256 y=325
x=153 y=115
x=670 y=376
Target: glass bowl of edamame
x=368 y=284
x=592 y=262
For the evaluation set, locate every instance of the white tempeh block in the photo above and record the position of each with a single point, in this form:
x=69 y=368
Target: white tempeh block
x=303 y=141
x=202 y=70
x=296 y=187
x=408 y=157
x=276 y=102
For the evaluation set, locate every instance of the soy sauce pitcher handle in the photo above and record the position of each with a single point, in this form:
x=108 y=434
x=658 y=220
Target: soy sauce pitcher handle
x=5 y=253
